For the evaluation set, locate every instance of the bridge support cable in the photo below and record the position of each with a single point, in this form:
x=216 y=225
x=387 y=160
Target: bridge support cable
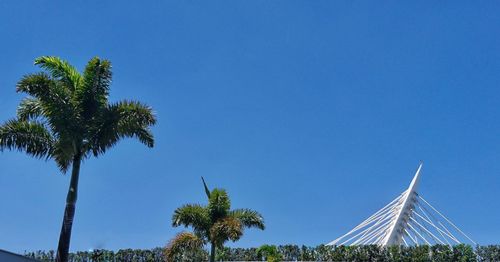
x=431 y=223
x=418 y=234
x=442 y=228
x=366 y=226
x=411 y=237
x=429 y=233
x=447 y=220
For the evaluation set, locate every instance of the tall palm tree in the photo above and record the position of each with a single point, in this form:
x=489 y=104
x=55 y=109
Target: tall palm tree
x=67 y=117
x=216 y=222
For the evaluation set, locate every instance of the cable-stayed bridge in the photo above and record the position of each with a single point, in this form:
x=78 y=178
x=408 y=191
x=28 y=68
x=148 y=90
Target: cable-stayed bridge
x=407 y=220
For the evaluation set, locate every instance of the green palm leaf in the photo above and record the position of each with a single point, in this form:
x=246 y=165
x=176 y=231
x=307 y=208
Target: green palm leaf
x=60 y=69
x=30 y=108
x=249 y=218
x=207 y=191
x=30 y=137
x=54 y=102
x=121 y=120
x=92 y=95
x=219 y=203
x=192 y=215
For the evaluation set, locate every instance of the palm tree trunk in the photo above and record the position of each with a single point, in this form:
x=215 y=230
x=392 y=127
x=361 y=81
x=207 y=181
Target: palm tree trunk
x=69 y=212
x=212 y=253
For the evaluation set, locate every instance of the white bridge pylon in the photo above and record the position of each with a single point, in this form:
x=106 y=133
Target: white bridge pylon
x=407 y=220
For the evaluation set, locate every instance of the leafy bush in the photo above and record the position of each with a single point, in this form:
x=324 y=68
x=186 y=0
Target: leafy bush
x=463 y=253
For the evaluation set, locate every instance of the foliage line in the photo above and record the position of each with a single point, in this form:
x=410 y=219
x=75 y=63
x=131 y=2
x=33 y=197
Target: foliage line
x=464 y=253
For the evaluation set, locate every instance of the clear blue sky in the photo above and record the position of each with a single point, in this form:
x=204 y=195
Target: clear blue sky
x=315 y=113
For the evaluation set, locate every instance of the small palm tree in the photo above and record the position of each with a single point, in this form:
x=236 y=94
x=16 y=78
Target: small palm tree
x=67 y=117
x=216 y=223
x=185 y=247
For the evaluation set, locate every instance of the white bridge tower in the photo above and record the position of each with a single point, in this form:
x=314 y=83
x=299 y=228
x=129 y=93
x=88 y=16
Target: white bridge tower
x=407 y=220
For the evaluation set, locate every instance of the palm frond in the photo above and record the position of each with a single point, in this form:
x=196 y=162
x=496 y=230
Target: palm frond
x=225 y=229
x=219 y=203
x=28 y=136
x=249 y=218
x=93 y=93
x=207 y=191
x=53 y=98
x=30 y=108
x=60 y=69
x=120 y=120
x=136 y=113
x=37 y=85
x=192 y=215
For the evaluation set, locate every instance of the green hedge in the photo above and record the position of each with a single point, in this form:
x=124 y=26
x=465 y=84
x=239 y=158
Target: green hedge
x=301 y=253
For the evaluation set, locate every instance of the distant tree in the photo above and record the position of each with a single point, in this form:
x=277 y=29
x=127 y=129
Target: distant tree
x=270 y=253
x=488 y=253
x=216 y=223
x=290 y=252
x=67 y=117
x=464 y=253
x=441 y=252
